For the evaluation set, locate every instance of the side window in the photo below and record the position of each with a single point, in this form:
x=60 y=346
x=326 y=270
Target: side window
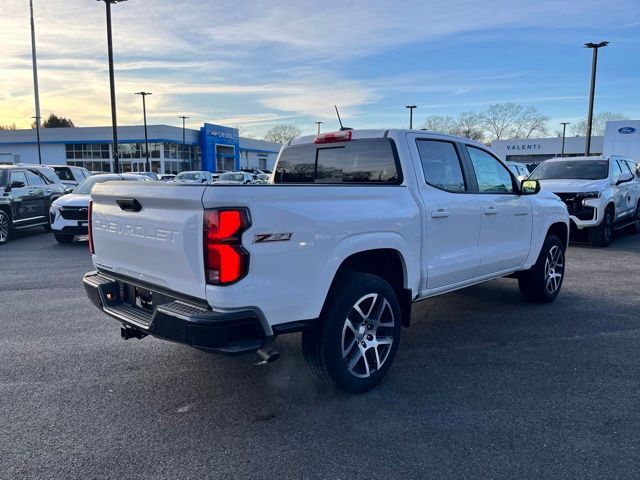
x=64 y=173
x=34 y=179
x=18 y=176
x=441 y=165
x=633 y=167
x=492 y=176
x=615 y=167
x=77 y=173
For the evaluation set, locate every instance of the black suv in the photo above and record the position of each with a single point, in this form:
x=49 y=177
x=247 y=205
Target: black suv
x=26 y=193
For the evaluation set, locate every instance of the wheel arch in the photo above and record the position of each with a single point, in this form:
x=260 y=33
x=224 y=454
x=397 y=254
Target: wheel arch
x=387 y=262
x=560 y=230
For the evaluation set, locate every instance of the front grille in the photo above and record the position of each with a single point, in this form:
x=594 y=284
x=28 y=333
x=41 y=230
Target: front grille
x=574 y=205
x=75 y=213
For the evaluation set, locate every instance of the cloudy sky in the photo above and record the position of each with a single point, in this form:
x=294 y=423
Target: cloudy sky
x=261 y=63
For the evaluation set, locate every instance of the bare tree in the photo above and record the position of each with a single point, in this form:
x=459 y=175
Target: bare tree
x=500 y=119
x=8 y=127
x=598 y=125
x=531 y=122
x=282 y=133
x=440 y=124
x=511 y=120
x=469 y=125
x=243 y=131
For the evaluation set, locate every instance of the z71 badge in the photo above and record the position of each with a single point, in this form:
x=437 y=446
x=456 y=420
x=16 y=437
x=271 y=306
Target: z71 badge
x=271 y=237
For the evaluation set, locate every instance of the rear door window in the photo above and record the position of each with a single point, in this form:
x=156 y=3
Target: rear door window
x=441 y=165
x=367 y=161
x=34 y=179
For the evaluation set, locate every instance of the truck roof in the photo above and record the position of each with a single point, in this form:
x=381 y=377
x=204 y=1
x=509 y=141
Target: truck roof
x=382 y=133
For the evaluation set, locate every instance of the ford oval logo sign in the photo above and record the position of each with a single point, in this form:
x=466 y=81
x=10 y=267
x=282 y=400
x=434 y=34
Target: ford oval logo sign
x=626 y=130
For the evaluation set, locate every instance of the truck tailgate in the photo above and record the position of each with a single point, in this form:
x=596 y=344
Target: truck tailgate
x=151 y=232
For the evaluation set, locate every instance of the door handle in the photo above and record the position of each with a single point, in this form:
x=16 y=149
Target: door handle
x=47 y=191
x=490 y=211
x=440 y=213
x=31 y=192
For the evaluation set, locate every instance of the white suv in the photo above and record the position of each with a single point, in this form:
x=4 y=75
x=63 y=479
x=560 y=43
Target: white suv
x=601 y=193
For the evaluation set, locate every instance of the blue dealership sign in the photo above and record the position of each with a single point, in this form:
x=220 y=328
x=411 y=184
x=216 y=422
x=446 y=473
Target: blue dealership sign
x=220 y=147
x=626 y=130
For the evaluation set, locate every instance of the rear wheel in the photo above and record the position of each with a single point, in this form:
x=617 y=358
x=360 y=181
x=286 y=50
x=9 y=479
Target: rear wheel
x=357 y=336
x=602 y=235
x=542 y=282
x=63 y=237
x=5 y=227
x=635 y=226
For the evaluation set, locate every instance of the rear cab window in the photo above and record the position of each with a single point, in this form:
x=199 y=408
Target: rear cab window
x=362 y=161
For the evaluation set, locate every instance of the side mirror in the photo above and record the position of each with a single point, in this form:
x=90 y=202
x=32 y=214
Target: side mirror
x=529 y=187
x=623 y=177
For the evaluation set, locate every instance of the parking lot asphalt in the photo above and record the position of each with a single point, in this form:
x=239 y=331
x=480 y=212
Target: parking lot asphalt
x=484 y=386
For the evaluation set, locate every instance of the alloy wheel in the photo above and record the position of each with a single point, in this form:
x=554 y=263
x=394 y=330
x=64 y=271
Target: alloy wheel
x=4 y=227
x=608 y=227
x=553 y=269
x=367 y=335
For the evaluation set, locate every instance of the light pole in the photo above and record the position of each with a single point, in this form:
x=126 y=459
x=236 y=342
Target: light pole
x=183 y=117
x=411 y=107
x=594 y=64
x=318 y=124
x=36 y=91
x=112 y=86
x=146 y=140
x=37 y=117
x=564 y=131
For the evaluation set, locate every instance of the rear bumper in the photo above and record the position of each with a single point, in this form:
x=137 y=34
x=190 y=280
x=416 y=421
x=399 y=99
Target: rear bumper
x=174 y=319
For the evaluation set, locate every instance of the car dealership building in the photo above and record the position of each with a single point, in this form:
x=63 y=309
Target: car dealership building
x=621 y=137
x=212 y=147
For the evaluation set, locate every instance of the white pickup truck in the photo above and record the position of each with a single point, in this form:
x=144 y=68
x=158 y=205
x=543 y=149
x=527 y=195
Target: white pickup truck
x=355 y=226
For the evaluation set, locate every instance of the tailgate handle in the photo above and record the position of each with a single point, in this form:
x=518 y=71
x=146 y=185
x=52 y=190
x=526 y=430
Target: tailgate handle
x=129 y=204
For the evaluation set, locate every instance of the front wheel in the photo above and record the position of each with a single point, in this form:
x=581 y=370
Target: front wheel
x=63 y=237
x=635 y=226
x=601 y=235
x=5 y=227
x=542 y=282
x=357 y=336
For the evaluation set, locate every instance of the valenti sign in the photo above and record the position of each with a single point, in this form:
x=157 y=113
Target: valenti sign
x=524 y=146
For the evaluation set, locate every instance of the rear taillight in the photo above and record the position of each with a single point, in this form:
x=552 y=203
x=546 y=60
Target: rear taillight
x=225 y=261
x=91 y=249
x=333 y=137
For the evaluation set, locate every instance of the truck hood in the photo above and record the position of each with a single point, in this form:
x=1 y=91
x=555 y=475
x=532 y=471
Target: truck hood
x=72 y=200
x=573 y=185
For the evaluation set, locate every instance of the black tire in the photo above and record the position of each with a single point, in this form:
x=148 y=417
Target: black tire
x=634 y=228
x=47 y=226
x=537 y=284
x=340 y=324
x=602 y=235
x=5 y=227
x=63 y=237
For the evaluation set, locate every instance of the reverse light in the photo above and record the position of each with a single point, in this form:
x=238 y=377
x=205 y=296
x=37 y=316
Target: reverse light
x=225 y=260
x=90 y=210
x=333 y=137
